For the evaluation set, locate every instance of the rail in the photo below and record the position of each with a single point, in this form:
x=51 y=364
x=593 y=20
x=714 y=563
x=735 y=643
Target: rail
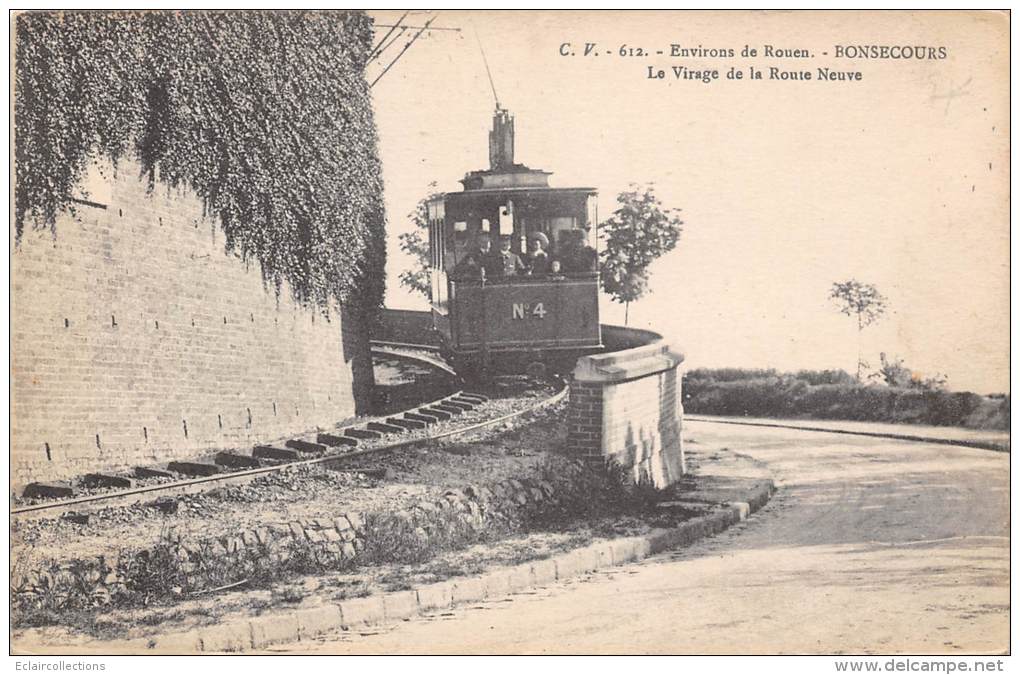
x=129 y=496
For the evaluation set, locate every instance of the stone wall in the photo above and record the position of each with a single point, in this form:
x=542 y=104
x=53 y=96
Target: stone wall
x=136 y=339
x=625 y=405
x=338 y=540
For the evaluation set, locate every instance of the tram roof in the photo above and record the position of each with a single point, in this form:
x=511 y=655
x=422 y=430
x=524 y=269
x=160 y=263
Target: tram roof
x=516 y=190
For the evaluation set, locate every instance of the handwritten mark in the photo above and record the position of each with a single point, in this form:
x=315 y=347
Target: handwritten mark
x=962 y=90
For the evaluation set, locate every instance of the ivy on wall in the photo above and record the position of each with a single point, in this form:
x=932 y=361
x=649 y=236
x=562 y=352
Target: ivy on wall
x=265 y=115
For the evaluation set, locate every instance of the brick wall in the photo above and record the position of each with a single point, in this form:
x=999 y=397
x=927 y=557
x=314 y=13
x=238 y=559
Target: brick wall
x=136 y=339
x=626 y=406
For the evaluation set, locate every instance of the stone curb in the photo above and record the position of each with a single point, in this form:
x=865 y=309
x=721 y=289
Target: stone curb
x=260 y=632
x=938 y=440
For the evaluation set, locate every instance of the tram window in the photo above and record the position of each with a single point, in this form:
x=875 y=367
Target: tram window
x=559 y=225
x=485 y=224
x=506 y=218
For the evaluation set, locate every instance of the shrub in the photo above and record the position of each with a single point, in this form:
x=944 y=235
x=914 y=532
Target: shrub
x=835 y=394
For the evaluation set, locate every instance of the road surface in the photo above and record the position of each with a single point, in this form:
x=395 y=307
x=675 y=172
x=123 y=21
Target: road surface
x=869 y=546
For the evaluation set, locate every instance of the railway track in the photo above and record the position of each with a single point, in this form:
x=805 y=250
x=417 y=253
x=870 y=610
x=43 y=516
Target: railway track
x=425 y=421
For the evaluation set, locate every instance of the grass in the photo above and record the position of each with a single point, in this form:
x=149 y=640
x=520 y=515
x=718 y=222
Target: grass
x=427 y=544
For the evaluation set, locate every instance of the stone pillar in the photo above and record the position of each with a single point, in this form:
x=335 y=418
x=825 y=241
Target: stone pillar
x=626 y=406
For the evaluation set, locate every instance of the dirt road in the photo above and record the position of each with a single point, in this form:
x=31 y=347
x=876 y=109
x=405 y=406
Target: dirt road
x=870 y=546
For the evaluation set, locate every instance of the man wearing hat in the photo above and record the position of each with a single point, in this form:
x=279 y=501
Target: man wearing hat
x=481 y=259
x=537 y=260
x=509 y=262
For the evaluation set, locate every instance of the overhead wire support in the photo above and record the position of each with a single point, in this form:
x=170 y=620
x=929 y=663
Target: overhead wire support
x=406 y=47
x=449 y=28
x=376 y=51
x=386 y=46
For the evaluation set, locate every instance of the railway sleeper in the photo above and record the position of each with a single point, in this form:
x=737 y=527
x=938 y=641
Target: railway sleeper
x=422 y=417
x=105 y=480
x=146 y=472
x=448 y=407
x=333 y=441
x=463 y=402
x=378 y=473
x=194 y=468
x=48 y=490
x=273 y=452
x=236 y=461
x=409 y=424
x=385 y=428
x=472 y=396
x=365 y=434
x=307 y=446
x=440 y=415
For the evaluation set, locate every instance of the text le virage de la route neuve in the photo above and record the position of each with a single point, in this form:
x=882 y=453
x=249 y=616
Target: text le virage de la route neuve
x=708 y=64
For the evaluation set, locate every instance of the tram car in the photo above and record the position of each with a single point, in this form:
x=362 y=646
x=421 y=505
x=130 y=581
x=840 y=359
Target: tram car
x=514 y=275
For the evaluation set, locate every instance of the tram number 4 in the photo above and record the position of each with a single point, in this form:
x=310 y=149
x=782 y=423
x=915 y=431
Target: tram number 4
x=522 y=309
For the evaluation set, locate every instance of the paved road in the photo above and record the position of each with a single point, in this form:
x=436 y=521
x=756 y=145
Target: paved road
x=869 y=546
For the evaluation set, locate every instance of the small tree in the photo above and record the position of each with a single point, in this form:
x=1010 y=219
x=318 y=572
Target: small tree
x=862 y=301
x=638 y=232
x=416 y=244
x=896 y=374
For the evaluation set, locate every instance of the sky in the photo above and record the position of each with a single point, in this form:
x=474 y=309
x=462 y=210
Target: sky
x=900 y=179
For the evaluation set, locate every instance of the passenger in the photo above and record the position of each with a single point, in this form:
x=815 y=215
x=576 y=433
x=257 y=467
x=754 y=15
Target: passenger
x=509 y=262
x=488 y=259
x=476 y=261
x=555 y=271
x=577 y=256
x=537 y=259
x=467 y=269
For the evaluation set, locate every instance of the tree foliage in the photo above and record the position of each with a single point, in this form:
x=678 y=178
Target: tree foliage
x=859 y=300
x=862 y=301
x=265 y=115
x=639 y=232
x=416 y=245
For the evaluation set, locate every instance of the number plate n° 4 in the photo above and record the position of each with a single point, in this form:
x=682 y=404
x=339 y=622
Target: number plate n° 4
x=523 y=310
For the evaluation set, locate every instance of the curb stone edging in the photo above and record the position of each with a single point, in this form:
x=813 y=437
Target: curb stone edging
x=262 y=631
x=937 y=440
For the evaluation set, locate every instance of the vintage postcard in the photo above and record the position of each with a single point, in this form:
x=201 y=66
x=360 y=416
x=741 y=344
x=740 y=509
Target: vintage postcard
x=511 y=332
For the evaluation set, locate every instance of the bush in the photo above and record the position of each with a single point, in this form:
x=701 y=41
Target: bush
x=835 y=394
